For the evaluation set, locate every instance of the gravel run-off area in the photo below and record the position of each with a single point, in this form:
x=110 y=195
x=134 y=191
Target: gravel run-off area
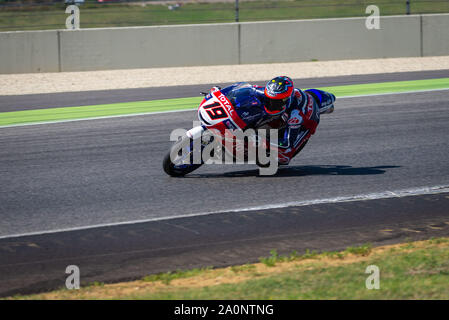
x=32 y=83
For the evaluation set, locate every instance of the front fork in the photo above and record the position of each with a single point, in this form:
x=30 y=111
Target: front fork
x=199 y=140
x=196 y=132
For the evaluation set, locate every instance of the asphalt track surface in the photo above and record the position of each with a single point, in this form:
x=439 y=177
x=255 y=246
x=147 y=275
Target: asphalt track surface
x=85 y=173
x=70 y=99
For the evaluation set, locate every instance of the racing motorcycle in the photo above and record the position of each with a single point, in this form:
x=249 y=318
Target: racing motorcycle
x=216 y=113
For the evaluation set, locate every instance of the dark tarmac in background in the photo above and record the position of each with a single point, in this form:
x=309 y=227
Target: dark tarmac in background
x=80 y=174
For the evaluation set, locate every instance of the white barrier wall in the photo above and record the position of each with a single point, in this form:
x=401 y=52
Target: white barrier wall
x=221 y=44
x=329 y=39
x=35 y=51
x=435 y=29
x=140 y=47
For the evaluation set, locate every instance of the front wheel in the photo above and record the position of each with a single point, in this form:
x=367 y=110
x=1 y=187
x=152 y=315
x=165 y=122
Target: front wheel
x=182 y=164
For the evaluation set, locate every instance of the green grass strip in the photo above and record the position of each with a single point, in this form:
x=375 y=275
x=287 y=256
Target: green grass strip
x=413 y=270
x=388 y=87
x=95 y=111
x=138 y=107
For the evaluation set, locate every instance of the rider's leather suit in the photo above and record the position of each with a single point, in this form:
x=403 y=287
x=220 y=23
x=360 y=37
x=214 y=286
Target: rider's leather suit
x=295 y=126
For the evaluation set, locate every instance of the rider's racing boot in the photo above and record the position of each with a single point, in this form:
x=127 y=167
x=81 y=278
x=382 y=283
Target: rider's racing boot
x=327 y=105
x=327 y=109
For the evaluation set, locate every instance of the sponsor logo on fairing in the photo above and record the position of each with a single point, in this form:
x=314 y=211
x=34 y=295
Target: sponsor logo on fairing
x=295 y=119
x=226 y=103
x=229 y=125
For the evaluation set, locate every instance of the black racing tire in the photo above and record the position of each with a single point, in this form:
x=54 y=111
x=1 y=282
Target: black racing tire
x=169 y=166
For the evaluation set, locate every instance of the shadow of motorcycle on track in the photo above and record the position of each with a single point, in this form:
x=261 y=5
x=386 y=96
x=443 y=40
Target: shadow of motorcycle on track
x=298 y=171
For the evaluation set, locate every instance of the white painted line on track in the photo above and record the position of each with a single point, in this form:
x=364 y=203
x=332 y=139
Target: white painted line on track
x=93 y=118
x=359 y=197
x=190 y=109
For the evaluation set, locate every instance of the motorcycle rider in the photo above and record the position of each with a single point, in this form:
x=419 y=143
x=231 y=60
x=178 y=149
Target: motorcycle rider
x=279 y=105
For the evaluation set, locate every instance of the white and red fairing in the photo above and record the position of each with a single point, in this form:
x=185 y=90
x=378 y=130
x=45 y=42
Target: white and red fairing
x=218 y=113
x=219 y=116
